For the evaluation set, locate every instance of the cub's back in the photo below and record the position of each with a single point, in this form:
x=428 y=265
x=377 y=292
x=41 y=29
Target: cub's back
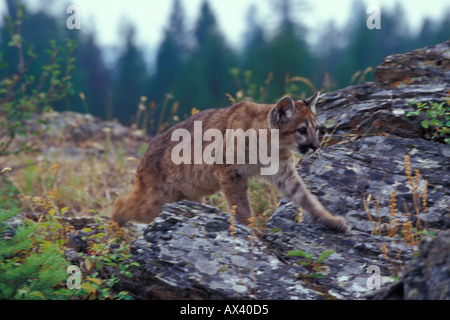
x=157 y=163
x=243 y=115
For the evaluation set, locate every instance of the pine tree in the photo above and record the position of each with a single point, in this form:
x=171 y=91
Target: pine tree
x=91 y=77
x=206 y=75
x=328 y=56
x=255 y=54
x=443 y=30
x=206 y=27
x=172 y=53
x=367 y=47
x=361 y=45
x=425 y=34
x=433 y=32
x=130 y=78
x=289 y=52
x=395 y=34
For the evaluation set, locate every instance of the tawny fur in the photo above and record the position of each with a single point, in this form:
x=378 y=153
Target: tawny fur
x=159 y=180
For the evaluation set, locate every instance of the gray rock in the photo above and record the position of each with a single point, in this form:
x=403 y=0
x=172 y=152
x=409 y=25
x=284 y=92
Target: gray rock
x=350 y=171
x=200 y=258
x=190 y=263
x=426 y=65
x=86 y=134
x=188 y=252
x=369 y=136
x=427 y=277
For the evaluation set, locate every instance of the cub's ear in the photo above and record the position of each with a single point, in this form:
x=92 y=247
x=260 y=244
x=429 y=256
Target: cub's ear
x=282 y=112
x=311 y=102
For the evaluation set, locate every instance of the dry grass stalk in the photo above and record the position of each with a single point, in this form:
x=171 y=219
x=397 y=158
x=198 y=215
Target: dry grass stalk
x=419 y=195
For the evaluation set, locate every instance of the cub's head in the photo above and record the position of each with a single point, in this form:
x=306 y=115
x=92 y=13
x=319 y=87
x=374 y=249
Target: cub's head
x=297 y=124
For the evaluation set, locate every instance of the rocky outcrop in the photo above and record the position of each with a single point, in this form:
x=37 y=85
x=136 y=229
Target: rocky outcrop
x=83 y=132
x=373 y=166
x=378 y=168
x=426 y=65
x=369 y=135
x=189 y=252
x=428 y=276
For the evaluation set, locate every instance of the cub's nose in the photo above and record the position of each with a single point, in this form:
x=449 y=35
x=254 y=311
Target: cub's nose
x=308 y=148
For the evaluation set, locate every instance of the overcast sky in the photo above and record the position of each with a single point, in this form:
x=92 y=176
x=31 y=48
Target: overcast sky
x=151 y=16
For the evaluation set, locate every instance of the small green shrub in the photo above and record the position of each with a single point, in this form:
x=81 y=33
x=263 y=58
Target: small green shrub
x=437 y=120
x=106 y=261
x=318 y=268
x=31 y=266
x=33 y=262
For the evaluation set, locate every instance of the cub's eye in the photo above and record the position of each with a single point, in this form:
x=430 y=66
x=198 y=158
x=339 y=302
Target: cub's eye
x=302 y=131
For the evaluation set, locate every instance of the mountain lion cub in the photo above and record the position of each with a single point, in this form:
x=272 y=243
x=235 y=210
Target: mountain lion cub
x=171 y=171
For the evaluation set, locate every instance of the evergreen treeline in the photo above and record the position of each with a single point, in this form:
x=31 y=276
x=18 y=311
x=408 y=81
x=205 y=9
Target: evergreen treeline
x=195 y=65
